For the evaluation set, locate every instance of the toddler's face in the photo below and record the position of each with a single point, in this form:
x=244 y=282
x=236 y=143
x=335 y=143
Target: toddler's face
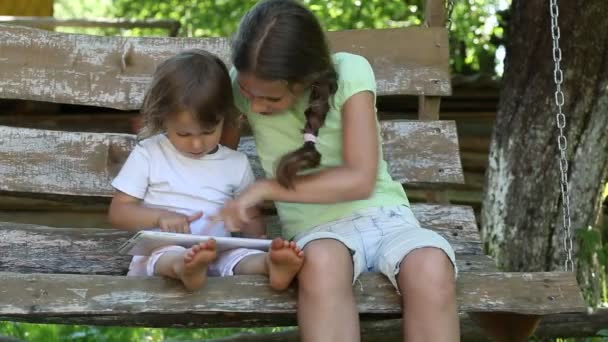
x=189 y=138
x=268 y=97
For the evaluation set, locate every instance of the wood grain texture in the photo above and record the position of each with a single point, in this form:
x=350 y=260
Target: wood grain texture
x=26 y=248
x=434 y=13
x=249 y=301
x=115 y=71
x=580 y=324
x=83 y=164
x=428 y=108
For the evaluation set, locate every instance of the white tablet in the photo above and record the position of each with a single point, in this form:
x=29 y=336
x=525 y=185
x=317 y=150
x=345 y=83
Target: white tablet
x=144 y=242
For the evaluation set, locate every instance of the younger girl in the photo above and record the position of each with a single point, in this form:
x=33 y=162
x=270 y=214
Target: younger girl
x=179 y=172
x=314 y=121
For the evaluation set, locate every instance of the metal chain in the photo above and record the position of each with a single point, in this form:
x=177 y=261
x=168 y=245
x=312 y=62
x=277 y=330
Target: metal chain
x=562 y=143
x=450 y=9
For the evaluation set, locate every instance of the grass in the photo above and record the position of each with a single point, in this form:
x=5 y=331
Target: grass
x=79 y=333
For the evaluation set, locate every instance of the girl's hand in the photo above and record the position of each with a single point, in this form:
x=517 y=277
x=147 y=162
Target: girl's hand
x=177 y=223
x=235 y=213
x=234 y=216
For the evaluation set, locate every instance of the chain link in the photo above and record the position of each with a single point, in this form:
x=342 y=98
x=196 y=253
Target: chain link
x=562 y=142
x=450 y=9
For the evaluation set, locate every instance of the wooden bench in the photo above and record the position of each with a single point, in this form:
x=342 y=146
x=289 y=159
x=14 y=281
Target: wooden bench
x=75 y=276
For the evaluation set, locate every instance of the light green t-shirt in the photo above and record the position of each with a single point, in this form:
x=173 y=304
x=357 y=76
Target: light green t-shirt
x=277 y=134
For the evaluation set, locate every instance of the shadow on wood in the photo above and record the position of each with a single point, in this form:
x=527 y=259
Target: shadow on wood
x=506 y=327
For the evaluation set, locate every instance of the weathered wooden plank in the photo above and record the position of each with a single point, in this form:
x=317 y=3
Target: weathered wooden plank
x=419 y=67
x=456 y=223
x=40 y=211
x=451 y=217
x=248 y=300
x=434 y=12
x=431 y=150
x=103 y=121
x=580 y=324
x=428 y=108
x=61 y=219
x=83 y=164
x=68 y=215
x=33 y=202
x=27 y=248
x=51 y=162
x=113 y=122
x=95 y=253
x=115 y=71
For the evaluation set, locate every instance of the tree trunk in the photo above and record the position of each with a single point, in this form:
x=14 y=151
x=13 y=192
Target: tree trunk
x=521 y=215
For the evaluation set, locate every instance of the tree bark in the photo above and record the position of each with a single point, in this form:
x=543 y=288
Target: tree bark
x=521 y=215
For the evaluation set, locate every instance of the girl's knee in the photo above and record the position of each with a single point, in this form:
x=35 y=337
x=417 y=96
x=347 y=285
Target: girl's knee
x=326 y=255
x=318 y=257
x=326 y=268
x=428 y=269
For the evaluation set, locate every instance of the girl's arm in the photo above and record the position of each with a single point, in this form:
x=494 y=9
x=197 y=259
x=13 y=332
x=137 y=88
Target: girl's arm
x=355 y=178
x=127 y=213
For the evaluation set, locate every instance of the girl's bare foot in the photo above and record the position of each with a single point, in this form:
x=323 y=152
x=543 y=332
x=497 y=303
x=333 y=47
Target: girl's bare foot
x=284 y=261
x=196 y=260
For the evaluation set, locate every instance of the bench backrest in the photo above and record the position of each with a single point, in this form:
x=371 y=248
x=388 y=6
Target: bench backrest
x=114 y=72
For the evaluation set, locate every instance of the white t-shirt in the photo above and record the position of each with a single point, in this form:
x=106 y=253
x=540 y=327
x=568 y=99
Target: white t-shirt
x=162 y=177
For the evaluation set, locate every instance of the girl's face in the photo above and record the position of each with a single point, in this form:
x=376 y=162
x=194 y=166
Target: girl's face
x=268 y=97
x=188 y=137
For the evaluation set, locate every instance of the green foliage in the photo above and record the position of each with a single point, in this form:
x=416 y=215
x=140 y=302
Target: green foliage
x=207 y=18
x=84 y=9
x=477 y=28
x=592 y=261
x=89 y=9
x=474 y=38
x=75 y=333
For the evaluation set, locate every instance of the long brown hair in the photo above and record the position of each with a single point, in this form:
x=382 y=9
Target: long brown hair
x=282 y=40
x=193 y=81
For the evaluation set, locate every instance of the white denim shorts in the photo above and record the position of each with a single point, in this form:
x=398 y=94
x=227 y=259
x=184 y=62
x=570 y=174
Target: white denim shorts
x=379 y=239
x=222 y=266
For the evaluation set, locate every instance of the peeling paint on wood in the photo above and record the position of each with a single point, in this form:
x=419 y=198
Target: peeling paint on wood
x=115 y=71
x=35 y=297
x=83 y=164
x=430 y=147
x=29 y=248
x=390 y=330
